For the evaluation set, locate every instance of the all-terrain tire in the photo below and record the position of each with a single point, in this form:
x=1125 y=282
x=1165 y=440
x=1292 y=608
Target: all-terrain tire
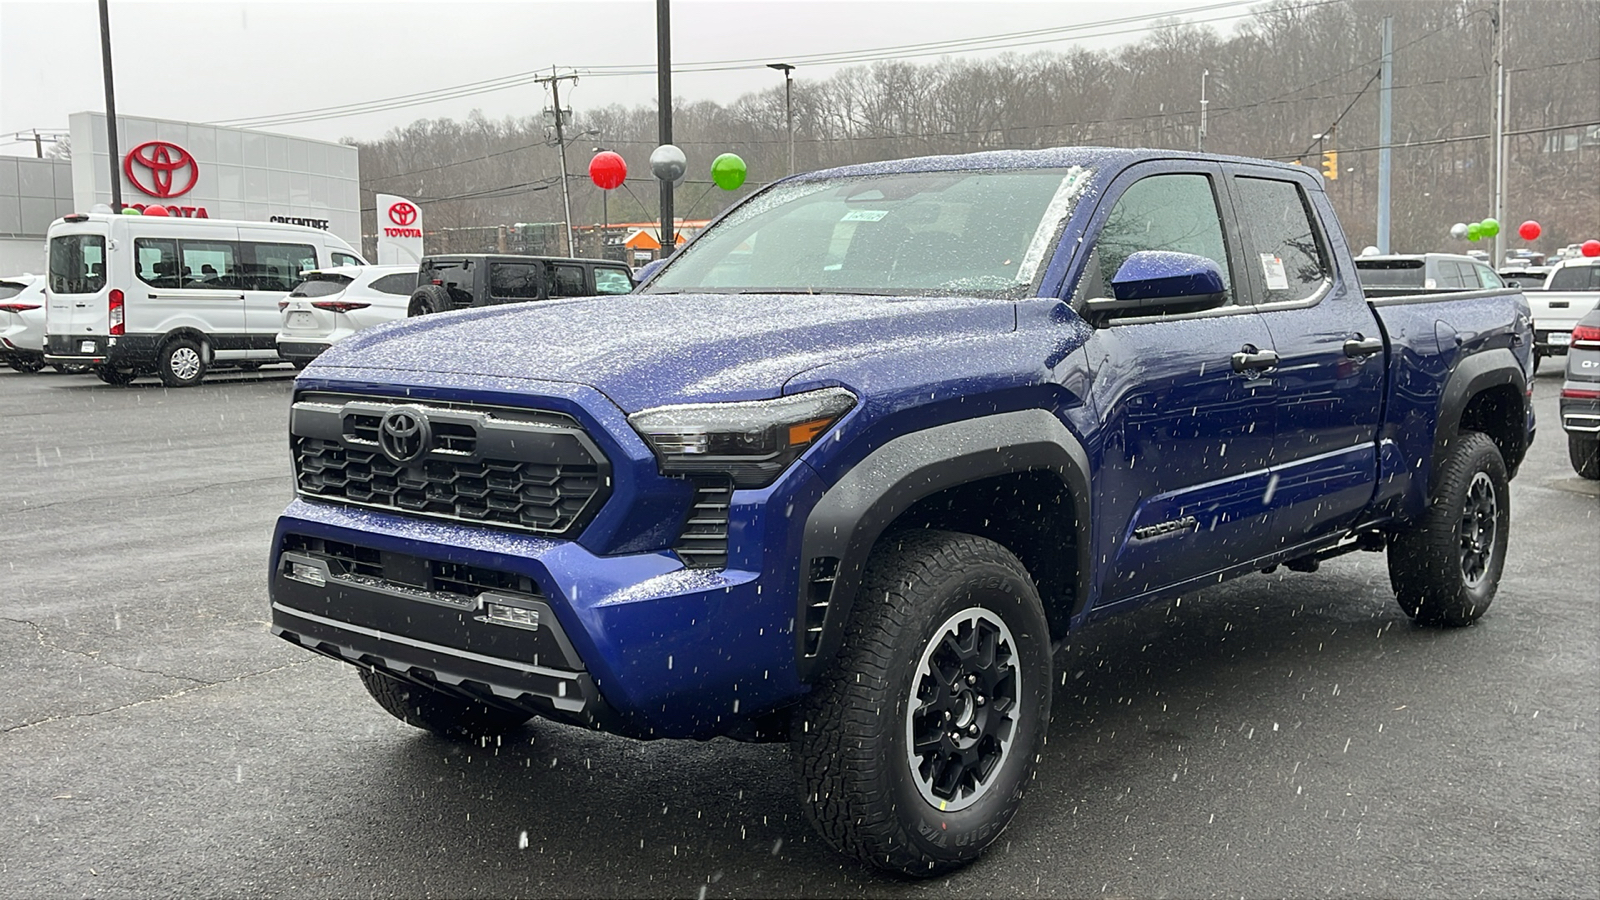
x=443 y=714
x=947 y=650
x=429 y=299
x=1584 y=451
x=182 y=363
x=1446 y=569
x=115 y=376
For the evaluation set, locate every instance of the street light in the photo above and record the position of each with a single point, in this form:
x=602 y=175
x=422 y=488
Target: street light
x=788 y=107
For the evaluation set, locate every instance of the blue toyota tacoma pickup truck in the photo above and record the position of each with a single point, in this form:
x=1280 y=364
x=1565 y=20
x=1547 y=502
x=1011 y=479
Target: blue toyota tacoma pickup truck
x=849 y=467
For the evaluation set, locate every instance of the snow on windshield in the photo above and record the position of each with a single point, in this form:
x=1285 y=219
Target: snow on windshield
x=967 y=233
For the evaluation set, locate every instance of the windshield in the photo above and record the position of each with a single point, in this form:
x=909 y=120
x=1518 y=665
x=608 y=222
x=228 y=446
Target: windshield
x=951 y=233
x=1390 y=273
x=77 y=264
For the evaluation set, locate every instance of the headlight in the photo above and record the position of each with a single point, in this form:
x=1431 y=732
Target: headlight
x=753 y=442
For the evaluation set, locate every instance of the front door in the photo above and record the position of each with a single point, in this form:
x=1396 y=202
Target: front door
x=1186 y=437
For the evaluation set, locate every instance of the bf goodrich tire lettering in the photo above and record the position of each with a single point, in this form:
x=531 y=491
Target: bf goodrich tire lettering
x=942 y=622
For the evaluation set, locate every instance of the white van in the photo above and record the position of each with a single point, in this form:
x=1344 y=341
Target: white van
x=136 y=295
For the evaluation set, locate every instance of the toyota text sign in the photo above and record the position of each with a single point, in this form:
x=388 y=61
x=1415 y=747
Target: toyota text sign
x=399 y=231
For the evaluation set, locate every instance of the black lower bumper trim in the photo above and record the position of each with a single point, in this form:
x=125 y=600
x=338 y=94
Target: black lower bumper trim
x=567 y=696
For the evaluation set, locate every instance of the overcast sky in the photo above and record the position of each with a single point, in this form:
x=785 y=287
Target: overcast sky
x=217 y=61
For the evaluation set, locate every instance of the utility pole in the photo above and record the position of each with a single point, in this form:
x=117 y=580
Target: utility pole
x=1201 y=143
x=788 y=105
x=669 y=224
x=111 y=108
x=1499 y=134
x=554 y=81
x=1385 y=137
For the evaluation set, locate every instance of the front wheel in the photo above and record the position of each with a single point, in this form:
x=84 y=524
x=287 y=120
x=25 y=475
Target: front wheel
x=443 y=714
x=1446 y=569
x=1584 y=451
x=915 y=748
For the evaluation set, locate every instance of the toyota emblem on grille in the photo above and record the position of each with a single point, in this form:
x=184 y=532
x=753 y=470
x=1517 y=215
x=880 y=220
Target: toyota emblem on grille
x=404 y=434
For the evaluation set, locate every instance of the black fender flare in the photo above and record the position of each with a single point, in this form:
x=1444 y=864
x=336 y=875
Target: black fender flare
x=1491 y=368
x=847 y=522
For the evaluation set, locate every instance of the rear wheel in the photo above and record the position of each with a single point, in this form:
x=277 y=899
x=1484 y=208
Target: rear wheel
x=182 y=363
x=428 y=299
x=26 y=365
x=1446 y=569
x=111 y=375
x=1584 y=451
x=443 y=714
x=915 y=748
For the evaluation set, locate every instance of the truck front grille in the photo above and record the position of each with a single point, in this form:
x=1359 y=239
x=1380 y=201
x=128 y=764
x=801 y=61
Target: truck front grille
x=526 y=470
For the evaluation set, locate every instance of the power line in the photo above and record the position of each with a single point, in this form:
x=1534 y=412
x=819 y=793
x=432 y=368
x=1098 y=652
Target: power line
x=989 y=42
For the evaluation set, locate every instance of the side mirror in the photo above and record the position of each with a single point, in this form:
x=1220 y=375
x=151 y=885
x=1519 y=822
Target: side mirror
x=648 y=269
x=1157 y=282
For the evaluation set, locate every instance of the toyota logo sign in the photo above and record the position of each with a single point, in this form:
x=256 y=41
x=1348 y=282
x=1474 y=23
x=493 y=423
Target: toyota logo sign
x=402 y=214
x=404 y=435
x=159 y=161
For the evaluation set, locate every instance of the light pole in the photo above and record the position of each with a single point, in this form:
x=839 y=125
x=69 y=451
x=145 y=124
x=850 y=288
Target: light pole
x=605 y=212
x=788 y=104
x=1200 y=143
x=111 y=109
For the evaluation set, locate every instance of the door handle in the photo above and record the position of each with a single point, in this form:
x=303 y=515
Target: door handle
x=1358 y=346
x=1249 y=359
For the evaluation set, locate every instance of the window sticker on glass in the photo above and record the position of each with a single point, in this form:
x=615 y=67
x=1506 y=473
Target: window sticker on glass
x=864 y=215
x=1272 y=267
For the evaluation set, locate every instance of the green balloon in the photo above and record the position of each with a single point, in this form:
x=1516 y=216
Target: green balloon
x=130 y=211
x=1489 y=227
x=728 y=171
x=1474 y=231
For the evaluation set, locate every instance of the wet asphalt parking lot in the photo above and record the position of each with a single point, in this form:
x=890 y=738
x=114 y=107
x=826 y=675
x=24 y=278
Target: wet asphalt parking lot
x=1279 y=735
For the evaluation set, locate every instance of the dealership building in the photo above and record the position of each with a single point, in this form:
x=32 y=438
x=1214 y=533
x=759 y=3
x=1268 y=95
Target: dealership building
x=200 y=171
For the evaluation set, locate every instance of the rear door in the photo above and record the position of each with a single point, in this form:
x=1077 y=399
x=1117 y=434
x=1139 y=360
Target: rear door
x=76 y=288
x=569 y=280
x=515 y=281
x=1330 y=375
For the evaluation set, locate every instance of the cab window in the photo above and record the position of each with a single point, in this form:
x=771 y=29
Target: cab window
x=1282 y=239
x=207 y=264
x=513 y=281
x=612 y=281
x=1176 y=212
x=155 y=262
x=277 y=267
x=567 y=281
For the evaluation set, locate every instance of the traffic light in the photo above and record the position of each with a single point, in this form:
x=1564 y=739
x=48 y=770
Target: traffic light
x=1330 y=165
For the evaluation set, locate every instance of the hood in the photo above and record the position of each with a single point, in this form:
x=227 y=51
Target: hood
x=644 y=350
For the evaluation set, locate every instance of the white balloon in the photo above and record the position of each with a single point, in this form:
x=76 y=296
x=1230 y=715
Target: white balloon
x=1459 y=231
x=668 y=163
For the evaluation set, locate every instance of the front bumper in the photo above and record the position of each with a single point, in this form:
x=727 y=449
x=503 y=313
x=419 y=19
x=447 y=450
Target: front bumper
x=635 y=643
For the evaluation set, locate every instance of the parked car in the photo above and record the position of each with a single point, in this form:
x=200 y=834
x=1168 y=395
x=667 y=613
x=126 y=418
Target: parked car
x=465 y=280
x=1525 y=278
x=332 y=304
x=1580 y=396
x=174 y=297
x=1570 y=292
x=1412 y=272
x=864 y=452
x=22 y=322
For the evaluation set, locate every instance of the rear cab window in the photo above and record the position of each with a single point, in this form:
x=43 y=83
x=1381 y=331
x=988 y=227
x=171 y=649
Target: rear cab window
x=77 y=263
x=1575 y=278
x=1282 y=238
x=1402 y=273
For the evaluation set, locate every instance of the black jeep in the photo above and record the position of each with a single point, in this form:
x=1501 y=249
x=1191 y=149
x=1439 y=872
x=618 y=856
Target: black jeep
x=461 y=280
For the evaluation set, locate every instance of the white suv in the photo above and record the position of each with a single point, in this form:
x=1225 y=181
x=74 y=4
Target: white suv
x=22 y=322
x=336 y=302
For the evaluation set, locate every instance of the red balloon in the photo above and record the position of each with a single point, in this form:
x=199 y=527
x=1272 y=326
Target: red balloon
x=1529 y=230
x=1591 y=248
x=608 y=170
x=156 y=209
